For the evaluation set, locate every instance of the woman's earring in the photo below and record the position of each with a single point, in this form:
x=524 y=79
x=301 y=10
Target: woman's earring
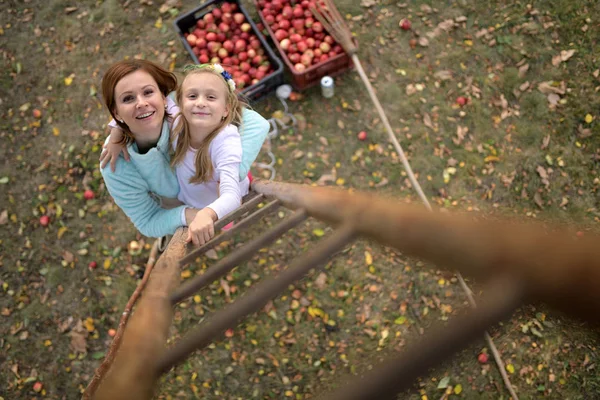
x=120 y=120
x=165 y=106
x=223 y=118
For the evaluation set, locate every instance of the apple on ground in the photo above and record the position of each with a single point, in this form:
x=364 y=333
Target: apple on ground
x=362 y=135
x=405 y=24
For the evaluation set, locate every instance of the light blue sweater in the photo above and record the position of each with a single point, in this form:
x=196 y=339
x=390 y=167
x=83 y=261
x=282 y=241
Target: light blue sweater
x=135 y=184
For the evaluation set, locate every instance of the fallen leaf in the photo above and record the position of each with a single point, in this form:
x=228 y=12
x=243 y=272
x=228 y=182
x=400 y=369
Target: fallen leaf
x=225 y=287
x=543 y=174
x=547 y=88
x=324 y=179
x=212 y=254
x=321 y=281
x=443 y=384
x=427 y=121
x=584 y=133
x=423 y=41
x=553 y=99
x=566 y=54
x=443 y=75
x=545 y=142
x=523 y=70
x=3 y=217
x=537 y=198
x=589 y=118
x=340 y=124
x=368 y=258
x=318 y=232
x=78 y=342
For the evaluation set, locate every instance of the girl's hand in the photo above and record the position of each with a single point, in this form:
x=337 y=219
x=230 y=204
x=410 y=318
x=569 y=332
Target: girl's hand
x=202 y=228
x=111 y=150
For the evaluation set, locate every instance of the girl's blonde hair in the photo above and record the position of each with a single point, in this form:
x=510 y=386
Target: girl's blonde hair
x=203 y=163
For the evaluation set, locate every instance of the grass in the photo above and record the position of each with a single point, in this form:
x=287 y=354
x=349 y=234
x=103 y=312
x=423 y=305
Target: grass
x=284 y=352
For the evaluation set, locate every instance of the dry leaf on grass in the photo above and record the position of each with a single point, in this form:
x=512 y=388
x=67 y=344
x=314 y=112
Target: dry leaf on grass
x=547 y=88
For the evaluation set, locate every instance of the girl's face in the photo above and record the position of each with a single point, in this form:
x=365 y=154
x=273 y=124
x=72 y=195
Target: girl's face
x=204 y=101
x=139 y=103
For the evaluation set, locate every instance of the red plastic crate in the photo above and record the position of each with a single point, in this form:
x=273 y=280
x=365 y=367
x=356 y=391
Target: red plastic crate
x=312 y=75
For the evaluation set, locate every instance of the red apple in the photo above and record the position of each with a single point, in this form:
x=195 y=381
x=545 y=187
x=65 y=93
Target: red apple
x=302 y=46
x=269 y=19
x=246 y=27
x=295 y=38
x=298 y=24
x=317 y=27
x=227 y=18
x=88 y=194
x=226 y=7
x=239 y=18
x=257 y=60
x=285 y=44
x=260 y=74
x=213 y=47
x=328 y=39
x=245 y=66
x=221 y=37
x=325 y=47
x=461 y=101
x=318 y=52
x=277 y=5
x=323 y=58
x=242 y=56
x=251 y=53
x=211 y=36
x=307 y=13
x=112 y=332
x=217 y=13
x=209 y=18
x=93 y=265
x=215 y=60
x=405 y=24
x=226 y=61
x=228 y=45
x=222 y=53
x=37 y=387
x=191 y=39
x=482 y=358
x=294 y=58
x=280 y=34
x=300 y=67
x=201 y=43
x=255 y=44
x=308 y=22
x=298 y=12
x=200 y=24
x=306 y=59
x=245 y=36
x=362 y=135
x=310 y=42
x=44 y=220
x=240 y=45
x=203 y=59
x=287 y=12
x=223 y=27
x=284 y=24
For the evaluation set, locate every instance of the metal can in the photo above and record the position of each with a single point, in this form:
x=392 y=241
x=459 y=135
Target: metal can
x=327 y=87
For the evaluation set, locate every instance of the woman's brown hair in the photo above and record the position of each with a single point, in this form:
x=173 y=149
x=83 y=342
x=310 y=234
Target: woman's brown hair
x=203 y=164
x=166 y=81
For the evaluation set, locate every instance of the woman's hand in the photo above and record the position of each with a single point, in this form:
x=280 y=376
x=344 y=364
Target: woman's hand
x=111 y=150
x=202 y=228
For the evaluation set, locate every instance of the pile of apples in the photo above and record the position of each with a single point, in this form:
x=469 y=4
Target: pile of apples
x=302 y=38
x=224 y=36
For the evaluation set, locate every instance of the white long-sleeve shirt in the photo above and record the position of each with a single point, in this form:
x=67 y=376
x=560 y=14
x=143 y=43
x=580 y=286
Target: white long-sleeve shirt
x=223 y=193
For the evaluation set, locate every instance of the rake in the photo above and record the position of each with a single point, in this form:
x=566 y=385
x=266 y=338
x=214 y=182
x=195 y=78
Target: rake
x=326 y=12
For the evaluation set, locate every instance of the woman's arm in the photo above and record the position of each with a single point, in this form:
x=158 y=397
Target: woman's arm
x=254 y=131
x=131 y=193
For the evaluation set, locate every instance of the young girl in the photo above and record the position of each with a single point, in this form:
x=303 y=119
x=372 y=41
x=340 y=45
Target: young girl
x=207 y=146
x=129 y=88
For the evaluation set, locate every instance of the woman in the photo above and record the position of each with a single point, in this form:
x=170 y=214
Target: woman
x=135 y=93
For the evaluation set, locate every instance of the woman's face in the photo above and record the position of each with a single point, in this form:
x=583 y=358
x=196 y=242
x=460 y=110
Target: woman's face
x=139 y=103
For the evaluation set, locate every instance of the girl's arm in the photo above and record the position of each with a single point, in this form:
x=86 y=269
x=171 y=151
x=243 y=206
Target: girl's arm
x=131 y=193
x=113 y=147
x=227 y=155
x=254 y=131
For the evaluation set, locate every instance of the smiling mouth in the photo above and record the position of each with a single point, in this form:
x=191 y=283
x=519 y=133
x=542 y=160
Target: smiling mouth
x=145 y=115
x=202 y=114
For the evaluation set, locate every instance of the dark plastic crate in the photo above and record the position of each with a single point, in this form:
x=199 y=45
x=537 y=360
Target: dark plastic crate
x=313 y=74
x=253 y=92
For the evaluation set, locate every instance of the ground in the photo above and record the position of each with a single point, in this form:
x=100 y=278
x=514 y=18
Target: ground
x=525 y=145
